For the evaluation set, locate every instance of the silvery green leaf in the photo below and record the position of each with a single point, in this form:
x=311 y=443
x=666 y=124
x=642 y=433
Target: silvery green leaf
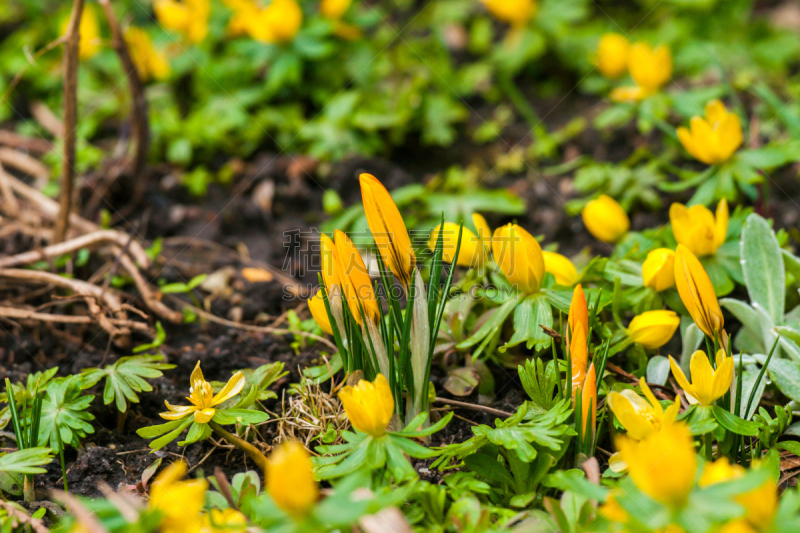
x=762 y=265
x=658 y=370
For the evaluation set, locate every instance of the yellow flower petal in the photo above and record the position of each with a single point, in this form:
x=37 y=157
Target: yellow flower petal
x=369 y=406
x=519 y=257
x=653 y=329
x=605 y=219
x=290 y=479
x=561 y=268
x=484 y=231
x=233 y=387
x=356 y=283
x=471 y=252
x=316 y=305
x=680 y=377
x=697 y=292
x=612 y=55
x=203 y=416
x=658 y=270
x=631 y=419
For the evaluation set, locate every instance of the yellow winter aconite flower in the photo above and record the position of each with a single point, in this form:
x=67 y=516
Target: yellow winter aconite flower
x=697 y=292
x=225 y=521
x=89 y=30
x=760 y=503
x=277 y=23
x=334 y=9
x=203 y=399
x=316 y=304
x=514 y=12
x=649 y=67
x=713 y=139
x=708 y=384
x=653 y=329
x=188 y=17
x=698 y=229
x=354 y=276
x=663 y=464
x=471 y=254
x=369 y=406
x=612 y=55
x=611 y=510
x=150 y=63
x=388 y=228
x=180 y=502
x=244 y=13
x=658 y=270
x=519 y=257
x=641 y=418
x=561 y=268
x=605 y=219
x=484 y=231
x=290 y=479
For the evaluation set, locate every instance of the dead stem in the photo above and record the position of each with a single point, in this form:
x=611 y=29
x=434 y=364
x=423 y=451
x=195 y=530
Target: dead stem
x=473 y=407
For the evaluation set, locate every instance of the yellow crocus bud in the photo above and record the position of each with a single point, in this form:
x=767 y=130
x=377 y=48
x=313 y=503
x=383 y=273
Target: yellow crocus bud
x=663 y=464
x=329 y=262
x=189 y=17
x=484 y=232
x=277 y=23
x=579 y=358
x=150 y=63
x=641 y=418
x=589 y=400
x=388 y=229
x=653 y=329
x=471 y=254
x=697 y=293
x=658 y=270
x=290 y=479
x=514 y=12
x=316 y=304
x=369 y=406
x=697 y=229
x=650 y=69
x=179 y=502
x=708 y=384
x=605 y=219
x=334 y=9
x=519 y=257
x=356 y=283
x=612 y=55
x=713 y=139
x=578 y=312
x=561 y=268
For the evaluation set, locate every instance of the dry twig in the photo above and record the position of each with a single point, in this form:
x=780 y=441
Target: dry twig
x=21 y=517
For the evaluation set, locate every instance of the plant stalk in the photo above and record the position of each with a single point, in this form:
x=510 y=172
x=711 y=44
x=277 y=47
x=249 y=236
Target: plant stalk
x=258 y=458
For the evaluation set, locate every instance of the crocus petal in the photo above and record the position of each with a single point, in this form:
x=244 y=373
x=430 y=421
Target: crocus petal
x=721 y=223
x=233 y=387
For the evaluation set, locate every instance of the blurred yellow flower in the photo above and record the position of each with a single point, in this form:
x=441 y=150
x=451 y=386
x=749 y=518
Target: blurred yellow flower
x=203 y=399
x=369 y=406
x=316 y=304
x=471 y=254
x=713 y=139
x=697 y=293
x=290 y=479
x=388 y=229
x=641 y=418
x=653 y=329
x=514 y=12
x=760 y=503
x=188 y=17
x=356 y=284
x=611 y=510
x=605 y=219
x=612 y=55
x=649 y=67
x=708 y=384
x=225 y=521
x=738 y=526
x=663 y=464
x=277 y=23
x=150 y=63
x=696 y=227
x=244 y=13
x=519 y=257
x=334 y=9
x=658 y=270
x=561 y=268
x=180 y=502
x=89 y=29
x=484 y=232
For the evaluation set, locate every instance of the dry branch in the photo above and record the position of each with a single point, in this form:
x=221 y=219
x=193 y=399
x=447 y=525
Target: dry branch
x=47 y=119
x=25 y=163
x=32 y=144
x=10 y=204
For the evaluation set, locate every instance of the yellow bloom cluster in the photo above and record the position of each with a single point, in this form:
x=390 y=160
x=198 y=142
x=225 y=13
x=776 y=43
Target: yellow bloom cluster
x=514 y=12
x=187 y=17
x=650 y=68
x=712 y=139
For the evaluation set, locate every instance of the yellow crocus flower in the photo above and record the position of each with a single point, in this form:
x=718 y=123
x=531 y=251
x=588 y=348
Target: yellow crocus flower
x=388 y=229
x=519 y=257
x=663 y=464
x=561 y=268
x=578 y=312
x=658 y=270
x=277 y=23
x=329 y=262
x=612 y=55
x=649 y=67
x=334 y=9
x=641 y=418
x=188 y=17
x=290 y=479
x=150 y=63
x=579 y=357
x=369 y=406
x=698 y=229
x=514 y=12
x=697 y=293
x=760 y=503
x=708 y=384
x=589 y=400
x=605 y=219
x=471 y=253
x=316 y=304
x=356 y=284
x=204 y=401
x=653 y=329
x=713 y=139
x=179 y=502
x=484 y=231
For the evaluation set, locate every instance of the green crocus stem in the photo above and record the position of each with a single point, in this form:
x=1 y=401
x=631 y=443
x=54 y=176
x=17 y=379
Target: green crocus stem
x=258 y=458
x=708 y=438
x=523 y=107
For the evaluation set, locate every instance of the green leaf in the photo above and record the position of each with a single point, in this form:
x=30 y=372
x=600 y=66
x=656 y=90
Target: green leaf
x=786 y=376
x=762 y=266
x=491 y=326
x=731 y=422
x=26 y=461
x=529 y=317
x=125 y=378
